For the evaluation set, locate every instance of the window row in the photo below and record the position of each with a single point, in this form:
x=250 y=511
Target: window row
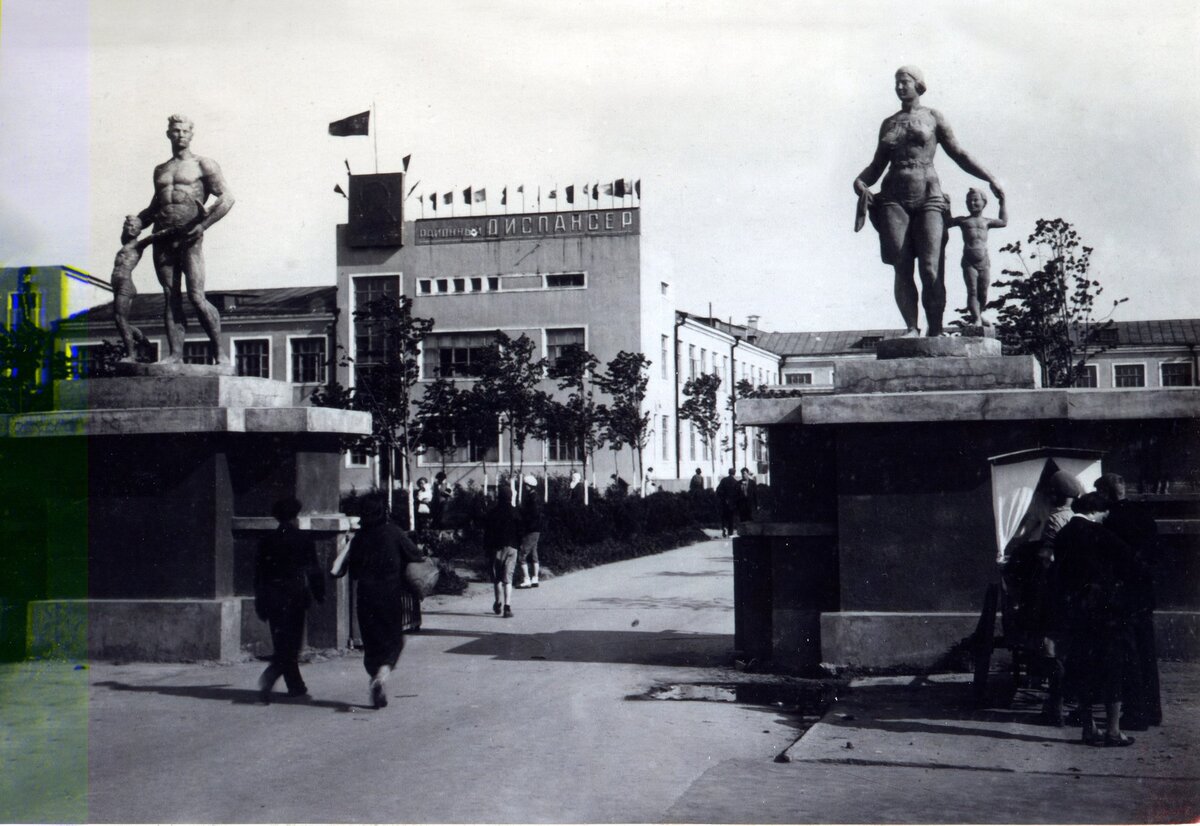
x=458 y=355
x=496 y=283
x=1170 y=374
x=308 y=357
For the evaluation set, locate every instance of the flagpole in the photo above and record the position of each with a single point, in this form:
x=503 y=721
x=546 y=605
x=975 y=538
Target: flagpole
x=375 y=135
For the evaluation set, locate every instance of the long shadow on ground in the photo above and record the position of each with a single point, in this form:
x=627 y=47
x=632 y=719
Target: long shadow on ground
x=670 y=648
x=223 y=693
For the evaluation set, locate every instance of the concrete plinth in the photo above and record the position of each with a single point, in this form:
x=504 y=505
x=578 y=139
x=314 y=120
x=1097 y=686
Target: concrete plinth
x=899 y=375
x=149 y=495
x=937 y=347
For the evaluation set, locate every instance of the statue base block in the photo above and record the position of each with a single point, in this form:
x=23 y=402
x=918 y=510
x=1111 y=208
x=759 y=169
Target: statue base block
x=936 y=347
x=130 y=368
x=902 y=375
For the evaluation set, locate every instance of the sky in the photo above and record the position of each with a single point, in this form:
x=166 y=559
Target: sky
x=746 y=124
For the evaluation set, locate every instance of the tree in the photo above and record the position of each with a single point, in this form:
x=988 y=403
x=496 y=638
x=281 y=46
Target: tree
x=625 y=379
x=439 y=417
x=506 y=385
x=1048 y=312
x=386 y=373
x=29 y=363
x=701 y=409
x=579 y=418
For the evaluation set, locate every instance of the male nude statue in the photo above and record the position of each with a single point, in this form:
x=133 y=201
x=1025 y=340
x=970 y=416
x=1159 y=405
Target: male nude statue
x=182 y=185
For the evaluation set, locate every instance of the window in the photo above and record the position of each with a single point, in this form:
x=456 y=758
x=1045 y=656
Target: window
x=565 y=279
x=198 y=352
x=1089 y=377
x=493 y=282
x=564 y=449
x=85 y=358
x=692 y=363
x=468 y=448
x=443 y=285
x=425 y=286
x=454 y=355
x=558 y=340
x=460 y=285
x=23 y=306
x=798 y=378
x=356 y=458
x=692 y=440
x=666 y=441
x=476 y=285
x=308 y=360
x=724 y=368
x=370 y=343
x=252 y=356
x=703 y=360
x=1129 y=375
x=666 y=342
x=1176 y=374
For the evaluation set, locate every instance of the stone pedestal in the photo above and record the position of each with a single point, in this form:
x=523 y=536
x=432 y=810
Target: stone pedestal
x=894 y=467
x=139 y=491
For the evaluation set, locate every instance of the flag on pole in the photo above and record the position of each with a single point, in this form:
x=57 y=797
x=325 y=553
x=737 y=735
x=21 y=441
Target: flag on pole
x=637 y=188
x=405 y=161
x=608 y=189
x=411 y=189
x=619 y=188
x=338 y=189
x=571 y=194
x=479 y=196
x=504 y=197
x=467 y=195
x=448 y=198
x=354 y=125
x=596 y=191
x=553 y=196
x=433 y=200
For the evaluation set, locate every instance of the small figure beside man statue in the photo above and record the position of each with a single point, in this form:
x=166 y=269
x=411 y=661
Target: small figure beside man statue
x=180 y=212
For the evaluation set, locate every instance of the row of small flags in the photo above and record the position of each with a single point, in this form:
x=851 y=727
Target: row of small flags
x=620 y=188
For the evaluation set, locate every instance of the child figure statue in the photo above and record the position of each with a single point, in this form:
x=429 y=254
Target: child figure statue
x=122 y=282
x=975 y=263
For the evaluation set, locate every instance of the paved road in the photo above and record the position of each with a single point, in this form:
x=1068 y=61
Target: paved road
x=531 y=720
x=491 y=720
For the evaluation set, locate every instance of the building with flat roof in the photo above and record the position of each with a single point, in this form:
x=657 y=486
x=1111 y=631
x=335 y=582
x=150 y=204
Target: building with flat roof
x=560 y=278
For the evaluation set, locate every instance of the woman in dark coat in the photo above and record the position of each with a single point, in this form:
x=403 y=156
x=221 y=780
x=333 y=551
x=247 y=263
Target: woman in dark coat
x=376 y=560
x=287 y=579
x=1094 y=571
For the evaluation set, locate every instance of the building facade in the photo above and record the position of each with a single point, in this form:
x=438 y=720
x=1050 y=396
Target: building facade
x=559 y=278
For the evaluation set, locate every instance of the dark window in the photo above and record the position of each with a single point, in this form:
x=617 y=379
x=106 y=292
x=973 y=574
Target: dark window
x=1089 y=376
x=565 y=279
x=84 y=360
x=493 y=282
x=198 y=352
x=358 y=458
x=370 y=342
x=1176 y=374
x=564 y=449
x=469 y=448
x=1129 y=375
x=799 y=378
x=558 y=340
x=460 y=285
x=454 y=354
x=308 y=360
x=425 y=286
x=476 y=285
x=253 y=357
x=443 y=285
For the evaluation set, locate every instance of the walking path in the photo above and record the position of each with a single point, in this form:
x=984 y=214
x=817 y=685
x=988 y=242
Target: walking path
x=542 y=718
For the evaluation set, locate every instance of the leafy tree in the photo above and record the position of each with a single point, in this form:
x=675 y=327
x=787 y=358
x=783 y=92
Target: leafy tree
x=29 y=363
x=385 y=379
x=579 y=418
x=700 y=407
x=439 y=417
x=625 y=379
x=1049 y=312
x=506 y=386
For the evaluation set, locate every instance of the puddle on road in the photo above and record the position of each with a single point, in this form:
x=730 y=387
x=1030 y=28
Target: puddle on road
x=806 y=700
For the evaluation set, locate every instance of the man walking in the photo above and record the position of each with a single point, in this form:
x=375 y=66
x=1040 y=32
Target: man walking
x=728 y=493
x=531 y=531
x=501 y=535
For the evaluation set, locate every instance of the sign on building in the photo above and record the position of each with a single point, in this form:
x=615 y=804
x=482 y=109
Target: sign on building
x=376 y=210
x=592 y=222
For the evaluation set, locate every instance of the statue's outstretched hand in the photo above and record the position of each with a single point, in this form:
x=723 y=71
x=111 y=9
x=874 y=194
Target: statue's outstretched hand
x=997 y=190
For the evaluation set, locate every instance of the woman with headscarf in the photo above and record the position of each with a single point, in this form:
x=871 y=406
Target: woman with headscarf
x=910 y=211
x=375 y=561
x=1094 y=571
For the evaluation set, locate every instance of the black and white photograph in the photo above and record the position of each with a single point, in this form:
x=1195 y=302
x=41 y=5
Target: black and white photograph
x=627 y=411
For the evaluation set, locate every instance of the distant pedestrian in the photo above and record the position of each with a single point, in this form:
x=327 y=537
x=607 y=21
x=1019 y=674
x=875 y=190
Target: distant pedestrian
x=531 y=532
x=423 y=499
x=697 y=482
x=501 y=537
x=441 y=498
x=728 y=492
x=619 y=487
x=1041 y=604
x=575 y=490
x=376 y=560
x=1142 y=696
x=287 y=579
x=747 y=496
x=648 y=484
